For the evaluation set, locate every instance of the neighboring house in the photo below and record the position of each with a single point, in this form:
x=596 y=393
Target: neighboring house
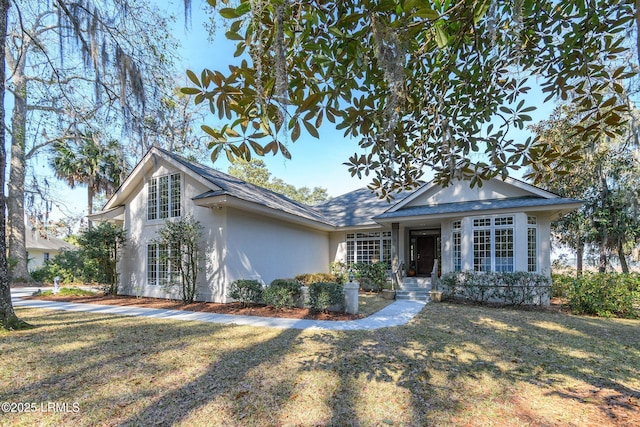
x=41 y=248
x=253 y=233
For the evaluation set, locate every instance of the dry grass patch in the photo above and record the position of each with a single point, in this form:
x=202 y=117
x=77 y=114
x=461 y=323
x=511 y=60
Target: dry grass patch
x=453 y=365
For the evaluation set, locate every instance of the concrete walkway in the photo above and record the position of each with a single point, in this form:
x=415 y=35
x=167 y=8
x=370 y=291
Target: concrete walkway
x=395 y=314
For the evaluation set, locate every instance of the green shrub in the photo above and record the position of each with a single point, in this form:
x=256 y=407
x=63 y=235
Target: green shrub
x=69 y=266
x=509 y=288
x=282 y=293
x=340 y=270
x=374 y=274
x=67 y=292
x=246 y=291
x=560 y=283
x=309 y=278
x=605 y=295
x=325 y=294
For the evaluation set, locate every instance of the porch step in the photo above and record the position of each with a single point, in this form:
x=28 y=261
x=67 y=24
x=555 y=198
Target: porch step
x=416 y=281
x=421 y=295
x=414 y=289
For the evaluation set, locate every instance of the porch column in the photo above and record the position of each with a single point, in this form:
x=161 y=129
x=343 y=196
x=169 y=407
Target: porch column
x=395 y=233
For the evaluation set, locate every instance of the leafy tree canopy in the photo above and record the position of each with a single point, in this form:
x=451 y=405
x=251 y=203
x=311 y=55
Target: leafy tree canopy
x=422 y=84
x=255 y=172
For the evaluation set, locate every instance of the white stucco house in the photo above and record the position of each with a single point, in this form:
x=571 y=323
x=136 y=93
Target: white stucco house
x=41 y=248
x=253 y=233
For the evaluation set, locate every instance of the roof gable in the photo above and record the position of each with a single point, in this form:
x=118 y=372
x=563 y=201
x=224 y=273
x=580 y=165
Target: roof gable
x=459 y=191
x=217 y=182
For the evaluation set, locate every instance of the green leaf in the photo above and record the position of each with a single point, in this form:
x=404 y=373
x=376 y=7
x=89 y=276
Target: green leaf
x=311 y=129
x=190 y=90
x=229 y=13
x=192 y=76
x=442 y=39
x=232 y=35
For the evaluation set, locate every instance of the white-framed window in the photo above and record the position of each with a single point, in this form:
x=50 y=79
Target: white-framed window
x=493 y=244
x=46 y=256
x=532 y=244
x=369 y=247
x=159 y=263
x=164 y=195
x=456 y=237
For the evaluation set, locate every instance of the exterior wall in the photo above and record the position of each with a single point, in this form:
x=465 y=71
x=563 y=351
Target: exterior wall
x=459 y=191
x=140 y=232
x=337 y=246
x=35 y=260
x=266 y=249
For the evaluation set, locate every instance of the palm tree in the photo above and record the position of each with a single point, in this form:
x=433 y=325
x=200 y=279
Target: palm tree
x=85 y=161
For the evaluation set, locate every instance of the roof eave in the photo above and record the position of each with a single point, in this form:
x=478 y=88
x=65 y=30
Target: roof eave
x=227 y=200
x=556 y=210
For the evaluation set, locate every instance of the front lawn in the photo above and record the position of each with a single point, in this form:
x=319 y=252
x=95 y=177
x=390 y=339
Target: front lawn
x=452 y=365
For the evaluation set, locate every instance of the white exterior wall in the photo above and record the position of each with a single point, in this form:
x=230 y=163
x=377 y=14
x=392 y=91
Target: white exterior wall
x=338 y=246
x=35 y=260
x=140 y=232
x=460 y=191
x=265 y=249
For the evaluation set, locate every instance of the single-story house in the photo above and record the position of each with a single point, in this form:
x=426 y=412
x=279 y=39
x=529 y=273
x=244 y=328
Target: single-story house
x=41 y=248
x=254 y=233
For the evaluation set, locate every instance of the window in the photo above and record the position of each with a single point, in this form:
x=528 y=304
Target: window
x=493 y=244
x=159 y=264
x=46 y=256
x=369 y=247
x=532 y=244
x=456 y=226
x=163 y=197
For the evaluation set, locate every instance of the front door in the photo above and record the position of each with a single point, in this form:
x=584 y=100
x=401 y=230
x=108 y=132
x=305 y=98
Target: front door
x=425 y=253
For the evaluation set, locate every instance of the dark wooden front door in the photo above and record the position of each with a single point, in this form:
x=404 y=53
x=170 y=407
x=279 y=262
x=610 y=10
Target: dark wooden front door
x=426 y=251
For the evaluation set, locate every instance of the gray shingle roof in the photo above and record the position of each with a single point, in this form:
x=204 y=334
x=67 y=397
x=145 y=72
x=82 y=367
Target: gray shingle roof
x=243 y=190
x=356 y=208
x=33 y=240
x=473 y=206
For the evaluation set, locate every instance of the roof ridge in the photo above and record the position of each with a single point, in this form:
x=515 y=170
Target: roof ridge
x=225 y=176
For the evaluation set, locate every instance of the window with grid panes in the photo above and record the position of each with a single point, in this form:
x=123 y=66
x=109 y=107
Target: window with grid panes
x=532 y=244
x=164 y=197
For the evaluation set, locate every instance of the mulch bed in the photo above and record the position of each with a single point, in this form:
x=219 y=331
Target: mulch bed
x=208 y=307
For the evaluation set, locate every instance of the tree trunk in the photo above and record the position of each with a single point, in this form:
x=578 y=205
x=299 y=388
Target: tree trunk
x=602 y=266
x=8 y=318
x=89 y=202
x=579 y=256
x=15 y=205
x=623 y=259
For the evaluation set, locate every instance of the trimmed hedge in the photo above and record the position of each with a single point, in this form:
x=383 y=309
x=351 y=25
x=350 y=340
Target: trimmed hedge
x=605 y=295
x=246 y=291
x=282 y=293
x=509 y=288
x=309 y=278
x=322 y=295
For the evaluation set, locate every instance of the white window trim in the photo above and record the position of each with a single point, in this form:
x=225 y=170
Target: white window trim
x=533 y=226
x=155 y=180
x=353 y=239
x=492 y=227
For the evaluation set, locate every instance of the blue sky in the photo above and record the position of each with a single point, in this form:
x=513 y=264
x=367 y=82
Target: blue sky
x=315 y=162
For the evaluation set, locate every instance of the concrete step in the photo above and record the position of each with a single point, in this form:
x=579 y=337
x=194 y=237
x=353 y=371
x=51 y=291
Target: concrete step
x=412 y=296
x=404 y=287
x=416 y=281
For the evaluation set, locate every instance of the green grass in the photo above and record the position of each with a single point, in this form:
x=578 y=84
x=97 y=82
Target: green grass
x=452 y=365
x=67 y=292
x=369 y=303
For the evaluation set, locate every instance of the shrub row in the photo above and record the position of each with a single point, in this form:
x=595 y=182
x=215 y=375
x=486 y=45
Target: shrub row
x=601 y=294
x=283 y=293
x=509 y=288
